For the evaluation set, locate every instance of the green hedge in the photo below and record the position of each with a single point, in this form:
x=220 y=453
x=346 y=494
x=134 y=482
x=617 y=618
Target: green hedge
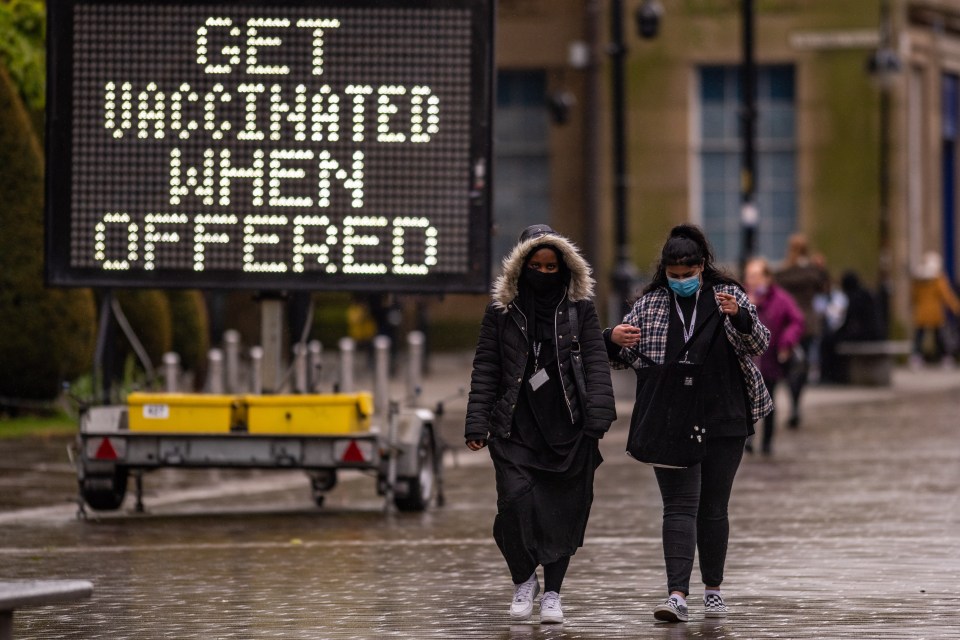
x=23 y=27
x=46 y=335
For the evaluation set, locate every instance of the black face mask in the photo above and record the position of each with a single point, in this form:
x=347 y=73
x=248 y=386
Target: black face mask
x=542 y=283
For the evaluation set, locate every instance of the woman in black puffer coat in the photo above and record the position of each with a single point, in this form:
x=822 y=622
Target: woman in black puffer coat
x=526 y=404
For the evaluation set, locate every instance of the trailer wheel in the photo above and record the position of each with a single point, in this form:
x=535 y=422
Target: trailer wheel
x=105 y=493
x=422 y=487
x=322 y=481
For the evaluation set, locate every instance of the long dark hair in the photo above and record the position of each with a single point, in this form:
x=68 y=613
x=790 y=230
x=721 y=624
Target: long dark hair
x=688 y=246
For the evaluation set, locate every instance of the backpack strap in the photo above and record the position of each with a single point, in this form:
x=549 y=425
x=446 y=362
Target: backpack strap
x=576 y=358
x=574 y=323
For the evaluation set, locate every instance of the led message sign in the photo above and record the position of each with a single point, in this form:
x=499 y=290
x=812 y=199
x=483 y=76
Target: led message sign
x=338 y=145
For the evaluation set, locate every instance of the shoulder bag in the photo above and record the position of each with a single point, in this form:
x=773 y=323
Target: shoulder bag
x=666 y=429
x=576 y=357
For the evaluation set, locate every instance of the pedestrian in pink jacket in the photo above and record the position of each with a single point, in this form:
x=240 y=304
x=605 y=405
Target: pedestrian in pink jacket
x=781 y=315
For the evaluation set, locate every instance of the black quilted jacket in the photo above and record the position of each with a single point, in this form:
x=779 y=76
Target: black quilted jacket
x=504 y=347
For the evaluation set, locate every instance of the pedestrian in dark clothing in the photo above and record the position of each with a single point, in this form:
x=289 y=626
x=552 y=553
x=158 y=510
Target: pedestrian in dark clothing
x=525 y=404
x=780 y=314
x=863 y=320
x=688 y=289
x=804 y=280
x=833 y=369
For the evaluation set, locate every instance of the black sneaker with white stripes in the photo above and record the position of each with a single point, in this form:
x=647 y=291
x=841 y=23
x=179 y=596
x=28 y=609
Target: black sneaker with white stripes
x=714 y=606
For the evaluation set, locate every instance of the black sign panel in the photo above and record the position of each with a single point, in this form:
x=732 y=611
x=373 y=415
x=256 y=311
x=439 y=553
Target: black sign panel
x=331 y=145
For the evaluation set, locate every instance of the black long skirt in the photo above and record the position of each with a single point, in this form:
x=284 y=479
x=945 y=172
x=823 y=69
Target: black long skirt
x=544 y=494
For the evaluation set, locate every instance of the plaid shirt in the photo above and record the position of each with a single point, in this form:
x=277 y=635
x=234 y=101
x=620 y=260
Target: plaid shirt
x=651 y=314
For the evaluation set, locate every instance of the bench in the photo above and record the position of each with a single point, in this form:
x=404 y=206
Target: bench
x=870 y=363
x=16 y=594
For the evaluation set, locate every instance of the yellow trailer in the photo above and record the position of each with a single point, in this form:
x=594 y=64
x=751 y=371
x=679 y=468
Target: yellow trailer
x=316 y=433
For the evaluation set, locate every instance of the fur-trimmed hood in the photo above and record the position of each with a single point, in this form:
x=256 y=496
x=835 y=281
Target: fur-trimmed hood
x=506 y=286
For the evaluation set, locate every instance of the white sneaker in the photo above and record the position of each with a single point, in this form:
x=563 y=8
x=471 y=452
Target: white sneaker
x=550 y=610
x=522 y=606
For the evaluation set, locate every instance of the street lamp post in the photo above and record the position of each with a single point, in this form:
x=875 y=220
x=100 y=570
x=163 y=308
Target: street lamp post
x=647 y=22
x=622 y=271
x=884 y=65
x=749 y=214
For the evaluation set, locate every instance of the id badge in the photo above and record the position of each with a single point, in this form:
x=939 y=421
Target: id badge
x=538 y=379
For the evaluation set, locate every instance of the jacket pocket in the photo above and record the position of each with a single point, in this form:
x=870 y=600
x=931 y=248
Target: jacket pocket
x=501 y=416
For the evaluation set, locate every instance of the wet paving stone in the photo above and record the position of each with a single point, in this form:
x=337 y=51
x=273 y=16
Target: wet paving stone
x=852 y=530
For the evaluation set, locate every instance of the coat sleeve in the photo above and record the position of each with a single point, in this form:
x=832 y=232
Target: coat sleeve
x=601 y=408
x=626 y=357
x=485 y=379
x=756 y=341
x=949 y=297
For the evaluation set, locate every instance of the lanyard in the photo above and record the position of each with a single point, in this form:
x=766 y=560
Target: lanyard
x=536 y=356
x=687 y=333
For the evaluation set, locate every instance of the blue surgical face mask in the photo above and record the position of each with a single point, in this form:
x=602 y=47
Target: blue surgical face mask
x=684 y=287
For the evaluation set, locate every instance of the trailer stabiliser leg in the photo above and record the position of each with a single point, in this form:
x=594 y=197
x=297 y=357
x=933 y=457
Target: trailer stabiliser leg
x=81 y=508
x=138 y=477
x=440 y=447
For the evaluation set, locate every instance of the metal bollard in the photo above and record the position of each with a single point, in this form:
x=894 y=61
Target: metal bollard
x=315 y=365
x=348 y=350
x=171 y=372
x=214 y=371
x=256 y=370
x=416 y=342
x=272 y=327
x=381 y=379
x=300 y=371
x=231 y=352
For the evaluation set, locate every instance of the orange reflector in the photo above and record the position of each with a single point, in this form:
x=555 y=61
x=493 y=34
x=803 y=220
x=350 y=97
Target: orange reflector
x=353 y=453
x=106 y=451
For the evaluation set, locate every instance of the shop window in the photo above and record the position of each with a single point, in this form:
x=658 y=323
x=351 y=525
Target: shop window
x=950 y=116
x=521 y=187
x=719 y=158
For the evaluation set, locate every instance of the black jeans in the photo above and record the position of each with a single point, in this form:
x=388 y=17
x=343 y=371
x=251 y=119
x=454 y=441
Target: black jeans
x=920 y=336
x=797 y=376
x=695 y=513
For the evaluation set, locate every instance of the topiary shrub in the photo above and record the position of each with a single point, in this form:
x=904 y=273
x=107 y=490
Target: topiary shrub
x=148 y=311
x=190 y=329
x=46 y=335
